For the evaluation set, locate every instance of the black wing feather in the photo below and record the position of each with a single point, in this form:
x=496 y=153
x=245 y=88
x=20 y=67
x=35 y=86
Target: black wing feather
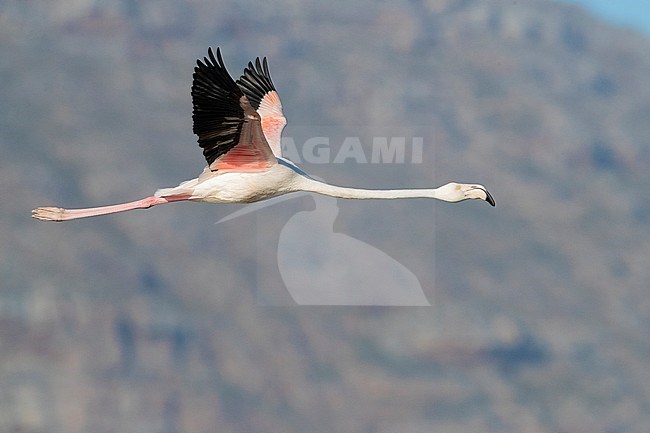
x=256 y=82
x=218 y=114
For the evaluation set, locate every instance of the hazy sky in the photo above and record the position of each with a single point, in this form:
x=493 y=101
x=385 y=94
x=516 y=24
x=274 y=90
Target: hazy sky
x=631 y=13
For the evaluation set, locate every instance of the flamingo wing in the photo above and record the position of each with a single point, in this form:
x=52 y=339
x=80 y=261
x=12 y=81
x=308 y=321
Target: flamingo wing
x=229 y=129
x=258 y=87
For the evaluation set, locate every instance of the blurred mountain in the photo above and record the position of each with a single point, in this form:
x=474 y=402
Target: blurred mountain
x=157 y=321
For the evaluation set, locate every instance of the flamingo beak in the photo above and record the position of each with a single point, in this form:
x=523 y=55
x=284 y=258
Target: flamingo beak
x=489 y=198
x=483 y=194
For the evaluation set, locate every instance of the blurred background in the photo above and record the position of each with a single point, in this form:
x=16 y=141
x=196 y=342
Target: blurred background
x=151 y=322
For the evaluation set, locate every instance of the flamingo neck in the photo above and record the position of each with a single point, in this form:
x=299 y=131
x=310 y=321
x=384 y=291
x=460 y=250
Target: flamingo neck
x=311 y=185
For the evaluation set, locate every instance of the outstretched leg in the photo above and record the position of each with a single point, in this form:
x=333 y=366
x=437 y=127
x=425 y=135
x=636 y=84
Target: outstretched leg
x=60 y=214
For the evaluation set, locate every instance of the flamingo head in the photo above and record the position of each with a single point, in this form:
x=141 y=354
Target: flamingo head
x=455 y=192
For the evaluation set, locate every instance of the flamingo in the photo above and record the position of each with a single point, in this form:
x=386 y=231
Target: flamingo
x=239 y=125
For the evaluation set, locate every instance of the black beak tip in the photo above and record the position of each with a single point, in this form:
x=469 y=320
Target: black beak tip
x=489 y=198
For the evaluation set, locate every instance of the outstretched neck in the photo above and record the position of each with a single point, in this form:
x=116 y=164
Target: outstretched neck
x=312 y=185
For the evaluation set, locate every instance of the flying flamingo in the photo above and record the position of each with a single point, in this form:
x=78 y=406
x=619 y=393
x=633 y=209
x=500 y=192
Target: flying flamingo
x=239 y=125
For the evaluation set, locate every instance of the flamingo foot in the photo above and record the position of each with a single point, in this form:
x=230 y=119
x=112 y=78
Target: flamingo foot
x=48 y=213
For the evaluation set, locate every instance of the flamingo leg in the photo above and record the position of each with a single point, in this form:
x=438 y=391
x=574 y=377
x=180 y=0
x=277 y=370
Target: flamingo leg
x=60 y=214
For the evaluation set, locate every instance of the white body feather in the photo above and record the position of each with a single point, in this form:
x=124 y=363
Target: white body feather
x=236 y=187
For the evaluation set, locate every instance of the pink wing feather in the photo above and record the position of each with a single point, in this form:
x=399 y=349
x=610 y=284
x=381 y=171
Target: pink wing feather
x=258 y=87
